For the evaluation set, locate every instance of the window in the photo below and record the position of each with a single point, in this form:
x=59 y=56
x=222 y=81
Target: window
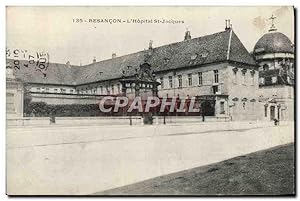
x=62 y=90
x=261 y=80
x=265 y=67
x=194 y=56
x=38 y=89
x=215 y=89
x=274 y=80
x=190 y=79
x=244 y=77
x=222 y=108
x=200 y=81
x=235 y=77
x=112 y=89
x=216 y=76
x=71 y=91
x=179 y=80
x=107 y=90
x=47 y=89
x=55 y=90
x=170 y=81
x=101 y=89
x=119 y=88
x=161 y=82
x=252 y=79
x=266 y=111
x=95 y=90
x=166 y=61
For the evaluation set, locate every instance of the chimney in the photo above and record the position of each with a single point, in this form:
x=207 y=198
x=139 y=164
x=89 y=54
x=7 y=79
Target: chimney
x=113 y=55
x=150 y=45
x=94 y=60
x=228 y=25
x=187 y=35
x=150 y=48
x=68 y=64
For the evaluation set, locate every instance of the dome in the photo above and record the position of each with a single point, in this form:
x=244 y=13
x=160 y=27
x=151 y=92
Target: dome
x=274 y=42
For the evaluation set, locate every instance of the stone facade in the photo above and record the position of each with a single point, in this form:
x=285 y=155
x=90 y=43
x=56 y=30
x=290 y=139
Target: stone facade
x=274 y=54
x=14 y=95
x=231 y=78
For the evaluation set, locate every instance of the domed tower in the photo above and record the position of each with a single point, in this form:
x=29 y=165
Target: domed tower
x=274 y=53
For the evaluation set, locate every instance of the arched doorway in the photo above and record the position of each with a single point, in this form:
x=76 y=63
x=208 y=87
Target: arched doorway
x=208 y=108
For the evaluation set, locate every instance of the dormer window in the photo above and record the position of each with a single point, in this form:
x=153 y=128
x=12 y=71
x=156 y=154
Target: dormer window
x=166 y=61
x=194 y=56
x=204 y=55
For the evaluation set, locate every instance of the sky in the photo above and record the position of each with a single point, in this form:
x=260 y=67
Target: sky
x=53 y=30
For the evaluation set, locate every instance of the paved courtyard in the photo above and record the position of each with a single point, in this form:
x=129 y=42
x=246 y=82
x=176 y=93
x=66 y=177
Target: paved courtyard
x=88 y=159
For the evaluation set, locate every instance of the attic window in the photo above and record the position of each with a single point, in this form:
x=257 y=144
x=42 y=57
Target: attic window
x=129 y=67
x=100 y=73
x=194 y=56
x=204 y=55
x=166 y=61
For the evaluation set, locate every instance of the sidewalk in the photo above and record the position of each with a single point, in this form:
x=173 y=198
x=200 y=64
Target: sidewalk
x=53 y=135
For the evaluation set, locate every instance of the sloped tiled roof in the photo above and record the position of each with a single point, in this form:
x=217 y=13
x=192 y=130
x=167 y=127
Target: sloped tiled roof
x=61 y=74
x=198 y=51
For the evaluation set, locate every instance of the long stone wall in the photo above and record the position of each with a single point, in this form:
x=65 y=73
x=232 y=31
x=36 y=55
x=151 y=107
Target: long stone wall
x=62 y=99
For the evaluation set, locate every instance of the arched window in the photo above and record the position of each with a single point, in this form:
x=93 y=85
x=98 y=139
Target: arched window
x=265 y=67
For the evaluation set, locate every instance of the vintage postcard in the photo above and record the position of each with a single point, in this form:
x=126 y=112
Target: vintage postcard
x=193 y=101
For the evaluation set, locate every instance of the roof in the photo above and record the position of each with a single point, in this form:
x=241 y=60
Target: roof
x=219 y=47
x=61 y=74
x=274 y=42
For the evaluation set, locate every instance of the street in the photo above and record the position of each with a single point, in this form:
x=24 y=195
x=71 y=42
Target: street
x=77 y=160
